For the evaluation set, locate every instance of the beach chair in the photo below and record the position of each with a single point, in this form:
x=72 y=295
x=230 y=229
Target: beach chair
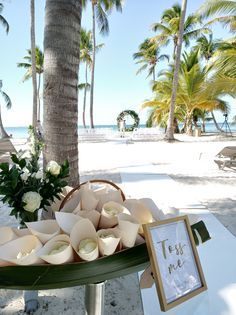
x=6 y=148
x=226 y=157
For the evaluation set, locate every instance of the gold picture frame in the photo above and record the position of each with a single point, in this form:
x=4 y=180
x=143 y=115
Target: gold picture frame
x=174 y=261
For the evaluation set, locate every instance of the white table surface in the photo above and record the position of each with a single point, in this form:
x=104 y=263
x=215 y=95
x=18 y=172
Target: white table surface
x=217 y=256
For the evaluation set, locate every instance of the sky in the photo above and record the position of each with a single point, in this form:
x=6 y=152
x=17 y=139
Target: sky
x=117 y=87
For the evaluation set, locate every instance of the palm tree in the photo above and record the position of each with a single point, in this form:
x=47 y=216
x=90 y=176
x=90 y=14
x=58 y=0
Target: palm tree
x=169 y=25
x=86 y=51
x=3 y=21
x=196 y=90
x=206 y=46
x=170 y=127
x=39 y=70
x=33 y=63
x=149 y=56
x=8 y=103
x=217 y=7
x=61 y=62
x=100 y=8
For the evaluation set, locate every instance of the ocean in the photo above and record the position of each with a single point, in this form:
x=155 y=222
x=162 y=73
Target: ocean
x=22 y=132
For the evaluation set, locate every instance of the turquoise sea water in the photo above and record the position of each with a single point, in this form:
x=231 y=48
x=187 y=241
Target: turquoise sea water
x=22 y=132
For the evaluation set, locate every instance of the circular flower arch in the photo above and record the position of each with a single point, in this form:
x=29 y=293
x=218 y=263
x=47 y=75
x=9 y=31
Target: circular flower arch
x=132 y=114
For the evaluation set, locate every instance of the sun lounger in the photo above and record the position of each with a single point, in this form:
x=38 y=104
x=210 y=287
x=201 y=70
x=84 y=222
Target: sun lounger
x=226 y=157
x=6 y=148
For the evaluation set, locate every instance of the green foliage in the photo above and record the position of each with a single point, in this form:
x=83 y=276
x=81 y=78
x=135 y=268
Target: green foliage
x=24 y=176
x=131 y=113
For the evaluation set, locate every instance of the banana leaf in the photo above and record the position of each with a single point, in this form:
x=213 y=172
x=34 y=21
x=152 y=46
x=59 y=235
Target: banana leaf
x=38 y=277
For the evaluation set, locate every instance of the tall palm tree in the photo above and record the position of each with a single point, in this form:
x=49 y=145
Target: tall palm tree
x=3 y=21
x=170 y=124
x=33 y=62
x=61 y=62
x=8 y=103
x=100 y=9
x=149 y=56
x=39 y=70
x=168 y=28
x=86 y=51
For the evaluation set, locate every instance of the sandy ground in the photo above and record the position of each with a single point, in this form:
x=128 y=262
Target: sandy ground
x=189 y=161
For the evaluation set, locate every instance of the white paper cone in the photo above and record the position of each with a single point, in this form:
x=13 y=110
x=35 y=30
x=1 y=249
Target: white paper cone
x=66 y=221
x=129 y=229
x=139 y=211
x=82 y=230
x=72 y=202
x=98 y=189
x=44 y=230
x=112 y=195
x=110 y=211
x=92 y=215
x=156 y=212
x=22 y=232
x=108 y=244
x=62 y=257
x=88 y=200
x=28 y=244
x=6 y=234
x=170 y=211
x=78 y=208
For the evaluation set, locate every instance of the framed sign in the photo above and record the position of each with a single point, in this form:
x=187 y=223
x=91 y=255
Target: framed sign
x=174 y=260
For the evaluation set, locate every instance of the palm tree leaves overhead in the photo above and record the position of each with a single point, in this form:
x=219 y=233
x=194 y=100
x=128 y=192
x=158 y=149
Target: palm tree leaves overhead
x=3 y=21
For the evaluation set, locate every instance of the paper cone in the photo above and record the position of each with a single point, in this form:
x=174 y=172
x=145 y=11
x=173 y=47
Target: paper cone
x=81 y=231
x=77 y=209
x=129 y=229
x=88 y=200
x=110 y=211
x=112 y=195
x=156 y=212
x=44 y=230
x=61 y=257
x=28 y=244
x=66 y=221
x=92 y=215
x=108 y=241
x=72 y=202
x=22 y=232
x=139 y=211
x=6 y=234
x=98 y=189
x=170 y=212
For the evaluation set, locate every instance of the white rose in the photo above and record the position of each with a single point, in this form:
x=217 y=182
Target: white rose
x=53 y=168
x=24 y=176
x=39 y=175
x=32 y=200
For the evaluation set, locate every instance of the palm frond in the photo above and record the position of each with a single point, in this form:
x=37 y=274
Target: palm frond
x=4 y=23
x=102 y=20
x=6 y=99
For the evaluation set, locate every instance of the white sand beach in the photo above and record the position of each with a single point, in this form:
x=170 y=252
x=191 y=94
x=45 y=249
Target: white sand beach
x=189 y=162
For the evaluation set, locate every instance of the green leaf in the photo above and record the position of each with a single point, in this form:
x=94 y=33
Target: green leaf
x=4 y=167
x=22 y=163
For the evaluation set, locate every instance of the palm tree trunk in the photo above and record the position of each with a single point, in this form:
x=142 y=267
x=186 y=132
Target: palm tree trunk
x=38 y=96
x=189 y=129
x=33 y=62
x=215 y=122
x=170 y=129
x=61 y=64
x=85 y=94
x=92 y=67
x=3 y=133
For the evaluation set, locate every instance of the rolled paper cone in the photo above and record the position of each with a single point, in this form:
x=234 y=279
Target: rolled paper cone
x=84 y=229
x=139 y=211
x=108 y=241
x=6 y=234
x=98 y=189
x=22 y=251
x=156 y=212
x=110 y=211
x=113 y=195
x=66 y=221
x=129 y=229
x=57 y=251
x=22 y=232
x=92 y=215
x=44 y=230
x=77 y=209
x=72 y=202
x=88 y=200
